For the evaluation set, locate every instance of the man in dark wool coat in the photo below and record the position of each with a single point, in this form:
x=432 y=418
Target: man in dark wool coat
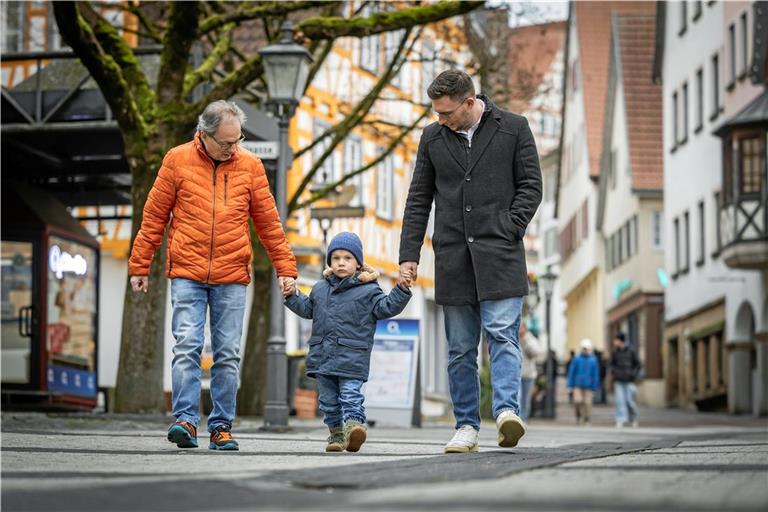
x=479 y=165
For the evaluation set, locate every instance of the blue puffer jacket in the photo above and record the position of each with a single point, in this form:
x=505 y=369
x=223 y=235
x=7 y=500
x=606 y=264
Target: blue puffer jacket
x=344 y=314
x=584 y=372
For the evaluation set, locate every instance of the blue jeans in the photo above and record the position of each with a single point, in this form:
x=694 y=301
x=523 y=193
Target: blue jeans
x=191 y=301
x=340 y=399
x=500 y=321
x=526 y=386
x=626 y=407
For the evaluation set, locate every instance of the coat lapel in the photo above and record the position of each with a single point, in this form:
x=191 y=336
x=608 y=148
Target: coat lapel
x=454 y=147
x=482 y=138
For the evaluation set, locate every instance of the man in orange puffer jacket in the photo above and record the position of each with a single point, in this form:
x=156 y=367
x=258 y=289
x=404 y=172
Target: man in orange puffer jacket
x=211 y=187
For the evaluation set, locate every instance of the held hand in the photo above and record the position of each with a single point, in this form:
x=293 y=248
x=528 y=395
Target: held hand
x=408 y=272
x=140 y=283
x=405 y=282
x=287 y=285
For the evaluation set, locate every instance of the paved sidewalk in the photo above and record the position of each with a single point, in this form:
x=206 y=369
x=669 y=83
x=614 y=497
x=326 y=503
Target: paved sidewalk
x=677 y=461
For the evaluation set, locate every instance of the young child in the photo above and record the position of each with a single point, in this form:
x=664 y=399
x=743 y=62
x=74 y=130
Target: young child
x=344 y=308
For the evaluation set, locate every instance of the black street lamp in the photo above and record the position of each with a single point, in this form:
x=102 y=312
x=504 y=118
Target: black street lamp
x=286 y=69
x=547 y=285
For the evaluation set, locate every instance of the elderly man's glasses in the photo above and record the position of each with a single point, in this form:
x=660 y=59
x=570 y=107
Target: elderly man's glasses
x=227 y=145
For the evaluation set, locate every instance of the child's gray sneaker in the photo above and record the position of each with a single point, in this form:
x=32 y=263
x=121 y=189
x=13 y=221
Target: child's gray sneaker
x=355 y=434
x=511 y=429
x=464 y=440
x=336 y=441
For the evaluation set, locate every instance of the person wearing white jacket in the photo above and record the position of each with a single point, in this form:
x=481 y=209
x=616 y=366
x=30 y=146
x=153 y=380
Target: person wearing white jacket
x=533 y=353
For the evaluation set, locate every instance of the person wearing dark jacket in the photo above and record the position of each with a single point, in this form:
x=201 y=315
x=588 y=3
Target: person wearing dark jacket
x=625 y=368
x=344 y=307
x=480 y=167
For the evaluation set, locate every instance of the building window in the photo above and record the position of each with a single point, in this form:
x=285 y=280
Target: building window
x=574 y=74
x=657 y=230
x=718 y=245
x=702 y=235
x=744 y=44
x=699 y=100
x=683 y=18
x=384 y=186
x=687 y=242
x=696 y=10
x=353 y=160
x=326 y=172
x=13 y=26
x=369 y=46
x=751 y=164
x=728 y=170
x=685 y=114
x=674 y=121
x=678 y=259
x=715 y=87
x=550 y=243
x=732 y=56
x=428 y=67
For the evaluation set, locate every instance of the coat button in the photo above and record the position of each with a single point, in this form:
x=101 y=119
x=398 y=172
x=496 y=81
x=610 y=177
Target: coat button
x=471 y=239
x=468 y=208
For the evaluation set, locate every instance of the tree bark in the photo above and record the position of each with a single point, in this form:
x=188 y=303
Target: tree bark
x=140 y=376
x=251 y=396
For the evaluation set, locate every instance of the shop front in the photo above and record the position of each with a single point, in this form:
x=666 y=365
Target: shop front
x=50 y=268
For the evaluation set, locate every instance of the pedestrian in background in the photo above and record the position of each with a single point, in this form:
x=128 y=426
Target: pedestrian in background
x=583 y=380
x=208 y=188
x=479 y=166
x=600 y=396
x=532 y=354
x=625 y=368
x=344 y=307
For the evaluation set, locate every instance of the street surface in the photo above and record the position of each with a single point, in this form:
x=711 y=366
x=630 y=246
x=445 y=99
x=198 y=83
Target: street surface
x=675 y=461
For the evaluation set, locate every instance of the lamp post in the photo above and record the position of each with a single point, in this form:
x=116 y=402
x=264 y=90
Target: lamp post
x=547 y=283
x=286 y=69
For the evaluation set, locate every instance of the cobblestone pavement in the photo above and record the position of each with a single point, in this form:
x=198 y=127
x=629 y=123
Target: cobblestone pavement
x=675 y=461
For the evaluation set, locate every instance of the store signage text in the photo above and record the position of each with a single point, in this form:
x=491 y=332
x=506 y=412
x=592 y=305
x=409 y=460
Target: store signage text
x=60 y=262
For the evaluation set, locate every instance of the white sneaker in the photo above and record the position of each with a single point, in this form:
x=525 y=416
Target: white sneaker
x=511 y=429
x=635 y=424
x=464 y=440
x=619 y=424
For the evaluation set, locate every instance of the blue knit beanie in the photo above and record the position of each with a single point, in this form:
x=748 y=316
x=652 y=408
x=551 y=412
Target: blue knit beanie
x=349 y=242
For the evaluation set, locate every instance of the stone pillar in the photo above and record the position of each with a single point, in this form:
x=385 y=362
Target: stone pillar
x=739 y=382
x=761 y=386
x=714 y=362
x=701 y=367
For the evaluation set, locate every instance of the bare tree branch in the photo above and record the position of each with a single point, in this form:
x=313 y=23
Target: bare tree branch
x=319 y=194
x=248 y=11
x=364 y=106
x=205 y=70
x=354 y=117
x=320 y=27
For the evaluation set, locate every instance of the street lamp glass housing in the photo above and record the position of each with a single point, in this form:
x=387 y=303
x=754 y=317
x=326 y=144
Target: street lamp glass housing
x=286 y=67
x=547 y=281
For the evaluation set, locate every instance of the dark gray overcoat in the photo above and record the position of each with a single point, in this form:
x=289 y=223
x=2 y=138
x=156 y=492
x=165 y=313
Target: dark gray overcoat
x=485 y=195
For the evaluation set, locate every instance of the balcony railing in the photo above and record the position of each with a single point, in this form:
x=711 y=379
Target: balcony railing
x=743 y=232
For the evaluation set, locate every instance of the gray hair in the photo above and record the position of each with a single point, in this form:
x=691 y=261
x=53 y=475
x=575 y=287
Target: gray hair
x=215 y=113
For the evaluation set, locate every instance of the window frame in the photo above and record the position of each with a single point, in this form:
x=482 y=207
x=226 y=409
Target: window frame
x=702 y=234
x=699 y=101
x=716 y=107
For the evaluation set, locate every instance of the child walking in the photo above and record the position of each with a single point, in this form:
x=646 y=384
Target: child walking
x=344 y=308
